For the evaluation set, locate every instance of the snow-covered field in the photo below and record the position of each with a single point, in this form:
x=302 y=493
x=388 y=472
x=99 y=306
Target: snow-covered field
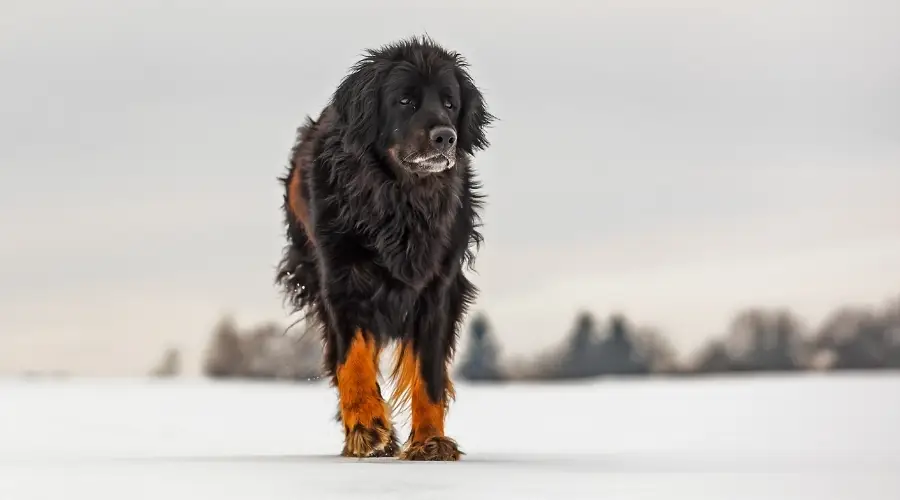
x=764 y=438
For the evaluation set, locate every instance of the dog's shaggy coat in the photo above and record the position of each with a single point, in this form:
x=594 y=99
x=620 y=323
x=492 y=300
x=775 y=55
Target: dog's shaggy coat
x=382 y=212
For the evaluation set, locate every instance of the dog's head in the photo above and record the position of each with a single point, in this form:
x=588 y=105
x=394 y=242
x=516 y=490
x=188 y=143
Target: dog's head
x=413 y=103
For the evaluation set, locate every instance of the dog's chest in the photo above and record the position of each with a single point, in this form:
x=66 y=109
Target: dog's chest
x=417 y=226
x=412 y=233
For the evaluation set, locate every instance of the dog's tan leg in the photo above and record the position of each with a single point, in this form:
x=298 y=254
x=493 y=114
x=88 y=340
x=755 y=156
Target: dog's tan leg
x=366 y=417
x=427 y=440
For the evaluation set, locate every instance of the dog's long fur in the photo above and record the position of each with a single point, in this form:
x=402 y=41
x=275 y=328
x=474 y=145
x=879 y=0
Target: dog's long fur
x=372 y=247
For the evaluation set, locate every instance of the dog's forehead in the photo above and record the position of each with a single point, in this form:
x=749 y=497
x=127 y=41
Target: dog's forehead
x=406 y=75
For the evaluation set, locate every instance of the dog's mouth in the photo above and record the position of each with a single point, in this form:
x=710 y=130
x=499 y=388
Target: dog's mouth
x=430 y=163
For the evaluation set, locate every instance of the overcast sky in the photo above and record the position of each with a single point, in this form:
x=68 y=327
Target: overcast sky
x=675 y=164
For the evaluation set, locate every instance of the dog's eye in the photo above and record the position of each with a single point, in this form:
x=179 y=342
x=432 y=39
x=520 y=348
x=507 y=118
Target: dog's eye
x=448 y=104
x=404 y=101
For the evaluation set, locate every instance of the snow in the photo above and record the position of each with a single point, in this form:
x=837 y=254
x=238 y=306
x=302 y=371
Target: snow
x=809 y=436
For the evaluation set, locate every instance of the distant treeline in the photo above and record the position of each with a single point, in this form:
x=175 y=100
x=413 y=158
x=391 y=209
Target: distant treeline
x=263 y=352
x=757 y=340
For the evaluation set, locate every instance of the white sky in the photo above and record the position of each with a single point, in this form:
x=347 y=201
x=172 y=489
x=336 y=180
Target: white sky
x=673 y=163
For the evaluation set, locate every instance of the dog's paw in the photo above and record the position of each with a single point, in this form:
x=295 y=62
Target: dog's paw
x=433 y=449
x=391 y=450
x=375 y=441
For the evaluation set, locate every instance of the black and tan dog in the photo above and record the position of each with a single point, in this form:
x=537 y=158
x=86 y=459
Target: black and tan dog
x=382 y=215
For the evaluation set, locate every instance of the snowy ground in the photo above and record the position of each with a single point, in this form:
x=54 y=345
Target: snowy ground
x=809 y=437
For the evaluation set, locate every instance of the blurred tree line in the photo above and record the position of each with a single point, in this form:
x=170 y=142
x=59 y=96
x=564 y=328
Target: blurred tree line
x=756 y=340
x=263 y=351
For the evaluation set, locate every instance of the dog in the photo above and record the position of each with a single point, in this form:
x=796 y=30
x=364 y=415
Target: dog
x=382 y=213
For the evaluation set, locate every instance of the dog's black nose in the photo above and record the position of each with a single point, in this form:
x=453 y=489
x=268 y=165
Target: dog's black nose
x=443 y=138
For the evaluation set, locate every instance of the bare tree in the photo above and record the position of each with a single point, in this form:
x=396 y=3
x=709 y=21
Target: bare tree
x=224 y=358
x=770 y=340
x=713 y=358
x=861 y=338
x=655 y=351
x=891 y=320
x=170 y=365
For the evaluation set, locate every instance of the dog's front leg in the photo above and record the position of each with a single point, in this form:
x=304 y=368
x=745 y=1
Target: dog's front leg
x=423 y=378
x=368 y=430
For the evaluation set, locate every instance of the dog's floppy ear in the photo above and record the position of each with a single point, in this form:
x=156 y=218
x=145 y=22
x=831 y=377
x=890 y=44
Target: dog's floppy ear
x=474 y=117
x=357 y=103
